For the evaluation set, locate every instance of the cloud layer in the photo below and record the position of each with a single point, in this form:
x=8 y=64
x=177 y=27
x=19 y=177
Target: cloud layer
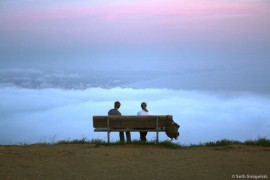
x=48 y=115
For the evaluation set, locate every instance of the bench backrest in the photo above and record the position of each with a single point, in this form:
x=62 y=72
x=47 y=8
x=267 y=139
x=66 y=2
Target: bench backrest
x=131 y=122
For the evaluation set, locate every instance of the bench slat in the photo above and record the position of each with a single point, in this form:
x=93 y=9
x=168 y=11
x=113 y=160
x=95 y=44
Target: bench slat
x=118 y=122
x=128 y=130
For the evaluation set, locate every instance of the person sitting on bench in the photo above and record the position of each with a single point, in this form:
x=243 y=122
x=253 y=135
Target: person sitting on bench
x=143 y=112
x=116 y=112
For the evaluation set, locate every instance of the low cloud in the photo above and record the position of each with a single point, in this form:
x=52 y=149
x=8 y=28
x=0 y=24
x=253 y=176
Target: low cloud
x=49 y=115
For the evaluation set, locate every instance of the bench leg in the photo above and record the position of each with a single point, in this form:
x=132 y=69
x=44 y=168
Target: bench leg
x=157 y=130
x=108 y=132
x=108 y=137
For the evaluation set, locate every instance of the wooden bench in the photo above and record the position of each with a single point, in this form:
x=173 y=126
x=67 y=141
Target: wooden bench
x=131 y=124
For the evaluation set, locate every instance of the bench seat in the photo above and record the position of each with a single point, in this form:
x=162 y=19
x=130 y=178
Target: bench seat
x=131 y=123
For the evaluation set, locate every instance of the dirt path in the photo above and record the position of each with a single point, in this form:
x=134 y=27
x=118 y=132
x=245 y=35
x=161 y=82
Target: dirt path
x=132 y=162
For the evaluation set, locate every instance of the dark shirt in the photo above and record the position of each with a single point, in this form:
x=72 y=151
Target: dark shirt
x=114 y=112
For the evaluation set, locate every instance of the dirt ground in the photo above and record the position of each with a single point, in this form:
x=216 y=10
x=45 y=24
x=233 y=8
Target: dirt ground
x=133 y=162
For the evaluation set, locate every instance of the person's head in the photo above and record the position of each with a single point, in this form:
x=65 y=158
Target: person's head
x=144 y=106
x=117 y=104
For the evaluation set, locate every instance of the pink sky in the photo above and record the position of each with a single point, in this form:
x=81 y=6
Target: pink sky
x=137 y=21
x=157 y=12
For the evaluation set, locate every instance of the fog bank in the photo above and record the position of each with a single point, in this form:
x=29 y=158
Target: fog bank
x=49 y=115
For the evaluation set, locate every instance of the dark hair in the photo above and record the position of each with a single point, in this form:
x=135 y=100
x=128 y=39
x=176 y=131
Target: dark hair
x=117 y=104
x=144 y=105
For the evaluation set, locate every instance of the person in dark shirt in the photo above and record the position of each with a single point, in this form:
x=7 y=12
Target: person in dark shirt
x=116 y=112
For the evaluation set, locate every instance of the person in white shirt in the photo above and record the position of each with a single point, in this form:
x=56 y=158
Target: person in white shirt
x=143 y=112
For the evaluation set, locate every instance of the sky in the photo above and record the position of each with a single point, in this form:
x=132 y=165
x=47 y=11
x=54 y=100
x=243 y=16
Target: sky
x=175 y=35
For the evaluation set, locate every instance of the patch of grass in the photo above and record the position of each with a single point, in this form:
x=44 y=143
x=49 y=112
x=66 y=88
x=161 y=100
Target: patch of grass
x=76 y=141
x=259 y=142
x=97 y=142
x=223 y=142
x=168 y=144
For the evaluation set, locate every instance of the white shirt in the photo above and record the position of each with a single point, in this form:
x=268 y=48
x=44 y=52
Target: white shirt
x=142 y=113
